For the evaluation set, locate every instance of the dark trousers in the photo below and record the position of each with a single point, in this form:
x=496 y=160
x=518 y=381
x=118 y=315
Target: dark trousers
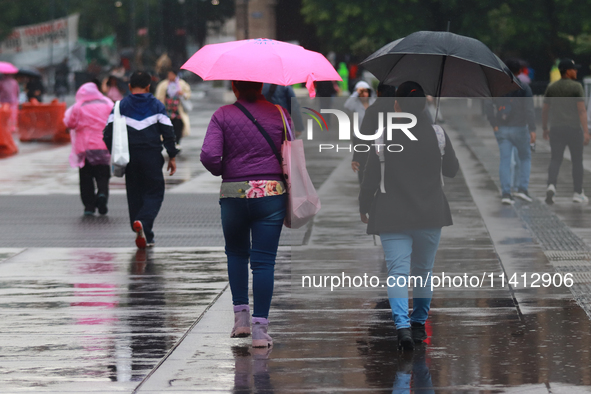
x=261 y=218
x=177 y=125
x=144 y=183
x=94 y=180
x=560 y=138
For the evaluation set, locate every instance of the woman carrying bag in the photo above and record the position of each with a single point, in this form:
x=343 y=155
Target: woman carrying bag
x=252 y=199
x=407 y=209
x=173 y=93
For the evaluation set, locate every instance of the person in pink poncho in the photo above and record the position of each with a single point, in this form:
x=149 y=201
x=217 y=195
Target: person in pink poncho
x=86 y=120
x=9 y=92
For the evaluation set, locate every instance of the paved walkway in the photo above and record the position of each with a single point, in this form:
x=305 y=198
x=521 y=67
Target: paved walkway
x=108 y=320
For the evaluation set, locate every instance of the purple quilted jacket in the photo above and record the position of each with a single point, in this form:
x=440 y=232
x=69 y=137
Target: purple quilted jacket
x=235 y=148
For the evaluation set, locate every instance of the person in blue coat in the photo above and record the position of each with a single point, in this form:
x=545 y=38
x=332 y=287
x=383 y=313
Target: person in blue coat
x=148 y=129
x=285 y=96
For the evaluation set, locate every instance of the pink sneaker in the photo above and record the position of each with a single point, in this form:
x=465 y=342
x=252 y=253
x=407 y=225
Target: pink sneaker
x=241 y=321
x=260 y=338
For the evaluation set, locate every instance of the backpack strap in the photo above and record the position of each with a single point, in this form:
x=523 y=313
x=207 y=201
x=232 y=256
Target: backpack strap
x=440 y=133
x=382 y=158
x=440 y=138
x=262 y=130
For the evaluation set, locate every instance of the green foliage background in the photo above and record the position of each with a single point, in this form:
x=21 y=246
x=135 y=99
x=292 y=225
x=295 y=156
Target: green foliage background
x=538 y=30
x=100 y=18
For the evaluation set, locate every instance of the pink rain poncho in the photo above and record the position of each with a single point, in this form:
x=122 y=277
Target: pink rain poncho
x=86 y=120
x=9 y=92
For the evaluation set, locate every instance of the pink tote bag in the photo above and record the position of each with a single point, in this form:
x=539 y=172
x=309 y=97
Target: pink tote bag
x=303 y=201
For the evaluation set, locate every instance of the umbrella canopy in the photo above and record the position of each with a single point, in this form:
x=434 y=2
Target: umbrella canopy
x=444 y=64
x=7 y=68
x=29 y=72
x=261 y=60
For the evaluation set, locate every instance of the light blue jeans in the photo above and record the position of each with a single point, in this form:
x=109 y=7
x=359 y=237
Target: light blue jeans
x=411 y=252
x=508 y=138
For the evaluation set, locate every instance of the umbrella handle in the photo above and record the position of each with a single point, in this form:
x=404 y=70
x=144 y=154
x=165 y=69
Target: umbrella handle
x=439 y=87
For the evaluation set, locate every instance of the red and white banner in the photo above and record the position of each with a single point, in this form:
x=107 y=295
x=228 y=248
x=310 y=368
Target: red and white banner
x=41 y=44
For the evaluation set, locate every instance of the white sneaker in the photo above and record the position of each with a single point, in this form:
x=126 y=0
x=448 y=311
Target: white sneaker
x=580 y=198
x=524 y=195
x=550 y=192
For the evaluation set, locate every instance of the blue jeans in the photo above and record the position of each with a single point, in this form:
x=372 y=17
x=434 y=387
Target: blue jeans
x=410 y=251
x=263 y=219
x=507 y=138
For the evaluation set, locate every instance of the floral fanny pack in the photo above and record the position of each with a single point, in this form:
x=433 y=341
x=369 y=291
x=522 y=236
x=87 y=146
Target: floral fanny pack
x=251 y=189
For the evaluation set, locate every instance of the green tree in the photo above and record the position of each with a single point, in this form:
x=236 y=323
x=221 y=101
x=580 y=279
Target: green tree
x=103 y=18
x=537 y=30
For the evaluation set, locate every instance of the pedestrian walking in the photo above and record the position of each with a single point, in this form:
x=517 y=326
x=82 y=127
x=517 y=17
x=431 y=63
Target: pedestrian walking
x=9 y=94
x=285 y=97
x=148 y=129
x=172 y=91
x=62 y=86
x=360 y=100
x=86 y=120
x=35 y=89
x=407 y=208
x=384 y=104
x=252 y=199
x=512 y=118
x=564 y=108
x=343 y=71
x=111 y=89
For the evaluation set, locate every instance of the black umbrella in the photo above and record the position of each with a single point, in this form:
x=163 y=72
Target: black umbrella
x=29 y=72
x=444 y=64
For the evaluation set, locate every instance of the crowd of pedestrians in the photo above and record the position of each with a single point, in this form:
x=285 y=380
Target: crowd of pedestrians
x=401 y=194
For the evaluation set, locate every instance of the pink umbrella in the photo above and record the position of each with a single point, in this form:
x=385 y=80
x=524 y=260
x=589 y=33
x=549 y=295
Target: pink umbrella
x=262 y=60
x=7 y=68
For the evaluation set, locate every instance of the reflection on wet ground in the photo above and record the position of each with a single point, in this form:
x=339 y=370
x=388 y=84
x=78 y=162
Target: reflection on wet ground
x=77 y=319
x=80 y=319
x=481 y=340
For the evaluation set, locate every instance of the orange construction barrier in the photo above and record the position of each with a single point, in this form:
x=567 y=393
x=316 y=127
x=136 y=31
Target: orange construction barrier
x=42 y=122
x=7 y=145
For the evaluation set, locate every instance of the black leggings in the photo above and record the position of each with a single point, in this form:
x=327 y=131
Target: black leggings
x=560 y=138
x=90 y=174
x=178 y=125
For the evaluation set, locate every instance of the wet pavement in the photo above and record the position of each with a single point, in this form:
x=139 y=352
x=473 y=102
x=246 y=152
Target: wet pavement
x=82 y=320
x=111 y=320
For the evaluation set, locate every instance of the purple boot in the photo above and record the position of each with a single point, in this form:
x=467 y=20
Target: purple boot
x=260 y=338
x=241 y=321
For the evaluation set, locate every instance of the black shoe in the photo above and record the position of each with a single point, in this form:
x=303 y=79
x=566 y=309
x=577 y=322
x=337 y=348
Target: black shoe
x=507 y=199
x=418 y=332
x=405 y=341
x=550 y=192
x=101 y=204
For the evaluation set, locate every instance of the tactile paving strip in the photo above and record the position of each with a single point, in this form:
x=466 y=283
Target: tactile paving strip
x=563 y=248
x=552 y=233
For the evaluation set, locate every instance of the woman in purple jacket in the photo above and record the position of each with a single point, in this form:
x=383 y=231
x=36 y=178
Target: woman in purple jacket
x=252 y=200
